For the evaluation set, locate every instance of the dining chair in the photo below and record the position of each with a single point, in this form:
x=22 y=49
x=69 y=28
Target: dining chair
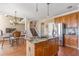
x=3 y=37
x=15 y=37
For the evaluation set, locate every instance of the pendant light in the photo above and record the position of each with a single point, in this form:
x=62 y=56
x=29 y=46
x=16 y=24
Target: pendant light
x=36 y=7
x=15 y=20
x=48 y=9
x=37 y=10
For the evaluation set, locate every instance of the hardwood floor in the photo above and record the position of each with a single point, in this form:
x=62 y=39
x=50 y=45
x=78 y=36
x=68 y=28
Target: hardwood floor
x=67 y=51
x=7 y=50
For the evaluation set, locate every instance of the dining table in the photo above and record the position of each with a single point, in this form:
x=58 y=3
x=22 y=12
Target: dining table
x=10 y=38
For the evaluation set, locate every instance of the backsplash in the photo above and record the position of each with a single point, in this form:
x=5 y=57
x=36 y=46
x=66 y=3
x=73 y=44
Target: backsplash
x=71 y=31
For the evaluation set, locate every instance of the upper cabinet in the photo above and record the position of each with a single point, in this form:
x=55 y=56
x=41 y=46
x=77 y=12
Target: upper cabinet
x=69 y=20
x=59 y=20
x=63 y=19
x=73 y=21
x=78 y=18
x=56 y=20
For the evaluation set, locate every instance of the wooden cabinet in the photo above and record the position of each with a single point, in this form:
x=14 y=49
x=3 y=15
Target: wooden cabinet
x=46 y=48
x=59 y=20
x=73 y=21
x=63 y=19
x=66 y=40
x=67 y=20
x=40 y=53
x=71 y=41
x=78 y=18
x=70 y=20
x=40 y=48
x=56 y=20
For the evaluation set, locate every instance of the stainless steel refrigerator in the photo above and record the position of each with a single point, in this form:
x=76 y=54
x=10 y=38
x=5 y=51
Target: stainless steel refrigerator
x=56 y=30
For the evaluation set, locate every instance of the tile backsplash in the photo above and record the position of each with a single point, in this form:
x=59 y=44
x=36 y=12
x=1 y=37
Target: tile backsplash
x=71 y=31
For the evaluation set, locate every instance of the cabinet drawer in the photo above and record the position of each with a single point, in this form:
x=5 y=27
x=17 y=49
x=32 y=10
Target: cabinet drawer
x=71 y=40
x=74 y=42
x=66 y=40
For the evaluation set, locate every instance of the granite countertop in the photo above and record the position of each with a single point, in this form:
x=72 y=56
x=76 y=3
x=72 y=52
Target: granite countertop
x=37 y=40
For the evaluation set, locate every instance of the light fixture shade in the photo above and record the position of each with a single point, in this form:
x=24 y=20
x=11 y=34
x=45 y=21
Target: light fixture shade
x=11 y=21
x=48 y=8
x=14 y=19
x=36 y=7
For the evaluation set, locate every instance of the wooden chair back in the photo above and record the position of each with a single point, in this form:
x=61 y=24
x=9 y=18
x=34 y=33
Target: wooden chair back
x=16 y=33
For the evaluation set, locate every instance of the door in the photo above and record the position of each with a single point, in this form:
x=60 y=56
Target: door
x=42 y=29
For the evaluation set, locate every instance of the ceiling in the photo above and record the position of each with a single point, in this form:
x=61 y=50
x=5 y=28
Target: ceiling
x=28 y=10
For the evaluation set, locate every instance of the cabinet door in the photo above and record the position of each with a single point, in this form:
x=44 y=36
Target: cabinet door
x=66 y=40
x=78 y=18
x=53 y=47
x=78 y=26
x=62 y=19
x=73 y=39
x=39 y=51
x=59 y=19
x=73 y=21
x=56 y=20
x=46 y=50
x=67 y=20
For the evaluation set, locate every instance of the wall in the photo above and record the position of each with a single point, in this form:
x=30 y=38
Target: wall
x=38 y=26
x=20 y=27
x=4 y=23
x=45 y=21
x=27 y=28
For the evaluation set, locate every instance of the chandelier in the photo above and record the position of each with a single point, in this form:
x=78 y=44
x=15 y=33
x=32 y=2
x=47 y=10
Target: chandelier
x=48 y=7
x=15 y=20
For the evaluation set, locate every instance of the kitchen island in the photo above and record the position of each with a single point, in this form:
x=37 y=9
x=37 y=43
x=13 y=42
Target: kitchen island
x=42 y=46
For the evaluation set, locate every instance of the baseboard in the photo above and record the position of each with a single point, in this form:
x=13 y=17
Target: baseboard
x=72 y=46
